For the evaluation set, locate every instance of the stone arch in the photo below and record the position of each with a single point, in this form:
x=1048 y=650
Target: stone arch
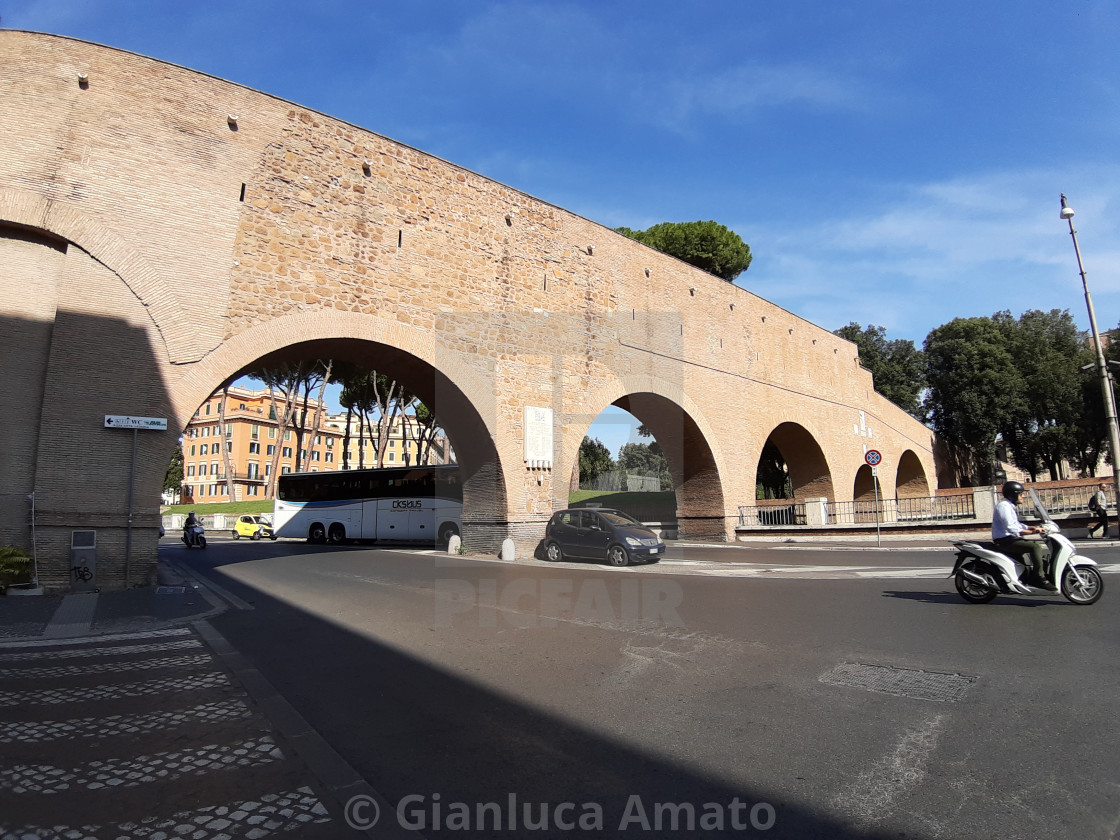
x=160 y=298
x=440 y=380
x=808 y=467
x=682 y=433
x=910 y=479
x=864 y=486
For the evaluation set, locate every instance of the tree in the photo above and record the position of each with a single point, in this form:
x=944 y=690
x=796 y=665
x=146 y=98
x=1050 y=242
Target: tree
x=707 y=245
x=594 y=460
x=1047 y=349
x=772 y=480
x=645 y=459
x=975 y=392
x=897 y=367
x=173 y=478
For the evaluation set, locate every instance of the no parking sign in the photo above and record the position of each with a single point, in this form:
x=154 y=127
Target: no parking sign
x=873 y=457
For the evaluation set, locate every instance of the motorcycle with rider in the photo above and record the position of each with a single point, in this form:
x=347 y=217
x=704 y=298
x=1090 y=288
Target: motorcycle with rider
x=984 y=570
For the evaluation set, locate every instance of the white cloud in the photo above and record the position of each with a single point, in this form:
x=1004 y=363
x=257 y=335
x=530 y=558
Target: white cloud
x=962 y=247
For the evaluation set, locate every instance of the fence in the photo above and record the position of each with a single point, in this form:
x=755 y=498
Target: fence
x=769 y=515
x=923 y=509
x=616 y=481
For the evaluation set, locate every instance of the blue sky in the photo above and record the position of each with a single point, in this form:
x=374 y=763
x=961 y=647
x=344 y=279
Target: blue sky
x=888 y=162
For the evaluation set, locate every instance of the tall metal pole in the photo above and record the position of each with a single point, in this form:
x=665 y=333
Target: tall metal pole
x=1102 y=366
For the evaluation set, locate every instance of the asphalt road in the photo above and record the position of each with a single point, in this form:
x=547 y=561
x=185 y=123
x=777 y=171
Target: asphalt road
x=795 y=693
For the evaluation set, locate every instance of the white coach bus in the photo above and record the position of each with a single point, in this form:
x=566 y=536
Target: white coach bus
x=398 y=504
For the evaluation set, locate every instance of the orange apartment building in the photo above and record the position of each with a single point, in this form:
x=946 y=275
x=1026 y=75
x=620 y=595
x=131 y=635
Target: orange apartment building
x=256 y=447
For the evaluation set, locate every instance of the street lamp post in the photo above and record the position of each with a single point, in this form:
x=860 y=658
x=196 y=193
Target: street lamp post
x=1102 y=366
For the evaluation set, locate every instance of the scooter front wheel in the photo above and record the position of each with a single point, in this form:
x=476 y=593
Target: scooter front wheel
x=1086 y=591
x=973 y=591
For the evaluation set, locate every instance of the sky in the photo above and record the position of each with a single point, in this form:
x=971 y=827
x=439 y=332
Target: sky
x=889 y=163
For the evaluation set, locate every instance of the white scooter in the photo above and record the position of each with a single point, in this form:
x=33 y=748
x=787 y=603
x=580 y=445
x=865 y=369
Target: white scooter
x=982 y=571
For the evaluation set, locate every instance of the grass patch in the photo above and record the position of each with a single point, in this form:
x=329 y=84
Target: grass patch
x=249 y=506
x=647 y=507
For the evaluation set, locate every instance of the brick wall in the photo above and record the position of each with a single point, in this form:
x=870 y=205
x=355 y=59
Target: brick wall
x=200 y=246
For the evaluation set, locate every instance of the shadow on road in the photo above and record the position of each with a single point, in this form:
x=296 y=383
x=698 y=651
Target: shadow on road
x=411 y=729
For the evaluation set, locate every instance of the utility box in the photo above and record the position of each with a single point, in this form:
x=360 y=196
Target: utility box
x=83 y=561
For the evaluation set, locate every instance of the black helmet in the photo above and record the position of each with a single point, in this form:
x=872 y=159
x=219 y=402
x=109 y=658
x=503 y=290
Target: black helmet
x=1013 y=490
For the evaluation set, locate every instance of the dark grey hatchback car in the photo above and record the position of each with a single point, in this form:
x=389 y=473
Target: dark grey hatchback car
x=600 y=534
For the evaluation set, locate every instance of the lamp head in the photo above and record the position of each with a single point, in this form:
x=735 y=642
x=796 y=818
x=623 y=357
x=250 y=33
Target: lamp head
x=1067 y=211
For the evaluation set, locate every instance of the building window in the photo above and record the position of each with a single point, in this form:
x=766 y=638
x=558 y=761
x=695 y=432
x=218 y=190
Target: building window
x=318 y=440
x=315 y=455
x=190 y=469
x=330 y=441
x=202 y=469
x=207 y=408
x=253 y=488
x=287 y=453
x=392 y=456
x=287 y=434
x=272 y=433
x=242 y=406
x=271 y=449
x=192 y=450
x=213 y=468
x=255 y=432
x=254 y=470
x=330 y=457
x=392 y=444
x=213 y=489
x=206 y=431
x=229 y=429
x=254 y=449
x=268 y=469
x=285 y=470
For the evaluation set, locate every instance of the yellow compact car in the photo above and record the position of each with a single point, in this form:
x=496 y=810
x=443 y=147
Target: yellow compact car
x=253 y=527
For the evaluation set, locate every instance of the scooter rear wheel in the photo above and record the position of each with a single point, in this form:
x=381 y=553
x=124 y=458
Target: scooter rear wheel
x=1086 y=594
x=973 y=591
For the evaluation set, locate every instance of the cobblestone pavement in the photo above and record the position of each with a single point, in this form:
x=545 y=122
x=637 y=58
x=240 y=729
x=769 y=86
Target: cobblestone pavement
x=143 y=735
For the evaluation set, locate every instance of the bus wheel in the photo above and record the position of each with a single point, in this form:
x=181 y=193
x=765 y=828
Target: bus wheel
x=446 y=532
x=317 y=534
x=337 y=535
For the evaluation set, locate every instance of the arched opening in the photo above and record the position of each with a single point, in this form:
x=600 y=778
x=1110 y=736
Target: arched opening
x=865 y=491
x=911 y=481
x=673 y=453
x=791 y=450
x=319 y=441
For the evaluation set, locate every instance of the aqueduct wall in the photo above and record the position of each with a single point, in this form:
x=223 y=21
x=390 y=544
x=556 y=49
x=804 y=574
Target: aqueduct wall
x=162 y=230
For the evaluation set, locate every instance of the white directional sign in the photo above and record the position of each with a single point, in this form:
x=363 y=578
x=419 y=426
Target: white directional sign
x=125 y=421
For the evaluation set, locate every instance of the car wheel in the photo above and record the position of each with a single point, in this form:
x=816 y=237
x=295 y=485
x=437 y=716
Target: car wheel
x=272 y=537
x=618 y=556
x=317 y=534
x=337 y=535
x=256 y=536
x=553 y=552
x=236 y=535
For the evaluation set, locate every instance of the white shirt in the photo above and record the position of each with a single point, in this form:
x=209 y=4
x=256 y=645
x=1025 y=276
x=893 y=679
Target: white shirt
x=1005 y=522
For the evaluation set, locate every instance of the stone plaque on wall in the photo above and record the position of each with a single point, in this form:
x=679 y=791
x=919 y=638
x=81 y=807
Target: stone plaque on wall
x=538 y=437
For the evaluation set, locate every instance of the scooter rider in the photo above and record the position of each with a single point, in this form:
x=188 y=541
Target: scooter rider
x=191 y=522
x=1008 y=532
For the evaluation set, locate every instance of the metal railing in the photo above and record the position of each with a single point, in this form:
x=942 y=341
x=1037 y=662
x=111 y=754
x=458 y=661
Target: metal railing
x=761 y=516
x=886 y=511
x=1064 y=499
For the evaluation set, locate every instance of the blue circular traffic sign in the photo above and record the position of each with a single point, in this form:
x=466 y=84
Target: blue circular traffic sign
x=873 y=457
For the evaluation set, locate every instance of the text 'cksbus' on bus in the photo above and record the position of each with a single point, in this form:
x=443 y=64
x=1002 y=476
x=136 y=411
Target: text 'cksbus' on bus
x=403 y=504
